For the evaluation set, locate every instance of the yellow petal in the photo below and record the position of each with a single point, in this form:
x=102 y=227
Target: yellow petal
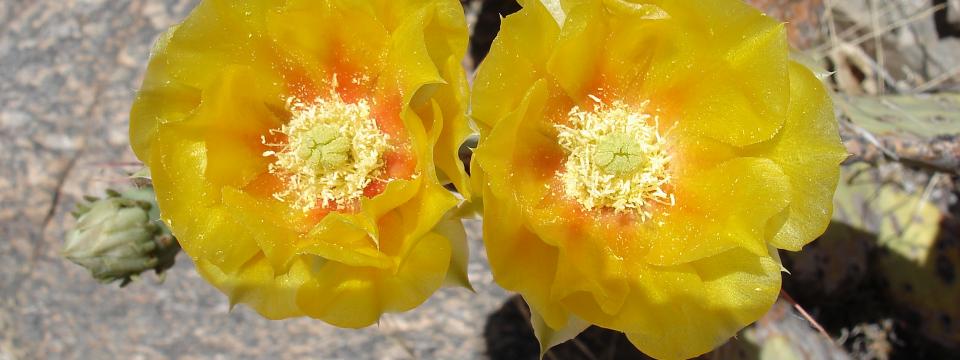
x=270 y=222
x=683 y=311
x=271 y=294
x=232 y=122
x=717 y=209
x=191 y=55
x=516 y=60
x=531 y=274
x=496 y=154
x=808 y=144
x=572 y=62
x=742 y=101
x=354 y=297
x=455 y=130
x=160 y=100
x=682 y=275
x=738 y=288
x=549 y=337
x=208 y=122
x=414 y=68
x=337 y=239
x=591 y=267
x=452 y=229
x=190 y=207
x=422 y=213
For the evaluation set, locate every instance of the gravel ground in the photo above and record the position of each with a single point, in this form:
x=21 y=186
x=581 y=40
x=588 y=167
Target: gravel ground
x=68 y=73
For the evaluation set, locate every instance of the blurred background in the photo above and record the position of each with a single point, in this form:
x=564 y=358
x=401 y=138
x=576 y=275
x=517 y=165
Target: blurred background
x=880 y=284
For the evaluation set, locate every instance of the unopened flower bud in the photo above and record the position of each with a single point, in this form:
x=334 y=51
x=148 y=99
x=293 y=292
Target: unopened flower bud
x=120 y=236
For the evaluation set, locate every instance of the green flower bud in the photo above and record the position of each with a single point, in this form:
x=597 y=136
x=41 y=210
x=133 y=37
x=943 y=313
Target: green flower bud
x=120 y=236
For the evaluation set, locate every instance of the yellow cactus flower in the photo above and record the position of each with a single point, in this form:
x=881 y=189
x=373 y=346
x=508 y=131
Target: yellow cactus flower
x=297 y=146
x=641 y=161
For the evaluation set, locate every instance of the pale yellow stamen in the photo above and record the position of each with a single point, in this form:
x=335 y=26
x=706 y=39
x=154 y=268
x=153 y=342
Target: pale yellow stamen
x=616 y=158
x=334 y=150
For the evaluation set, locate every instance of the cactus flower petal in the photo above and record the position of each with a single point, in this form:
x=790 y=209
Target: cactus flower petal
x=298 y=147
x=669 y=148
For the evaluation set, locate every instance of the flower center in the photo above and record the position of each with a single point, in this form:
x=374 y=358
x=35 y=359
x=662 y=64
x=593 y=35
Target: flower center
x=616 y=158
x=619 y=154
x=334 y=150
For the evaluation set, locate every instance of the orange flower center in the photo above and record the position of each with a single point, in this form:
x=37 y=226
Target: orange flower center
x=334 y=150
x=616 y=158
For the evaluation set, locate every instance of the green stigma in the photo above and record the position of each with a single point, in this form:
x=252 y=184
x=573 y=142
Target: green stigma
x=618 y=154
x=325 y=147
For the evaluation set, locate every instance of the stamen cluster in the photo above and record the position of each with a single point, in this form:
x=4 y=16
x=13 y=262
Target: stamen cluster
x=616 y=158
x=334 y=150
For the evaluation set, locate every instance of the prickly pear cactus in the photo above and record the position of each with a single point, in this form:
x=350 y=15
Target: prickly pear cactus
x=917 y=251
x=120 y=236
x=921 y=271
